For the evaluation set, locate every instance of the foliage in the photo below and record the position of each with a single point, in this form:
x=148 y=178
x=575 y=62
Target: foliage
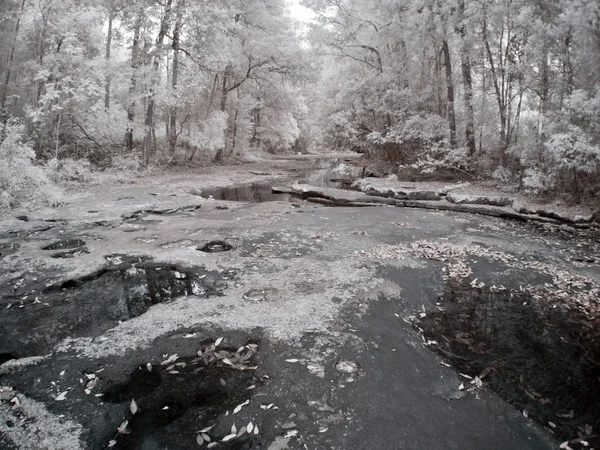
x=69 y=170
x=21 y=180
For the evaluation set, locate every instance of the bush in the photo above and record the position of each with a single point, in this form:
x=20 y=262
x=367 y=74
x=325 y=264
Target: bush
x=70 y=170
x=21 y=181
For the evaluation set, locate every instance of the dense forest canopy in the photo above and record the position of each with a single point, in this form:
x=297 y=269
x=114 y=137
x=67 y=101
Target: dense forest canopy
x=502 y=88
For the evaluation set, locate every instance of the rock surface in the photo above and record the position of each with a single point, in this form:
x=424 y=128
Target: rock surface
x=463 y=199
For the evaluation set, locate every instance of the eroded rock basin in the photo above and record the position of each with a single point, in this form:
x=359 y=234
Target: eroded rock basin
x=38 y=316
x=543 y=359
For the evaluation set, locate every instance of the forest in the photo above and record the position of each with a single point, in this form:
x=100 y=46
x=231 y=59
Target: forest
x=505 y=90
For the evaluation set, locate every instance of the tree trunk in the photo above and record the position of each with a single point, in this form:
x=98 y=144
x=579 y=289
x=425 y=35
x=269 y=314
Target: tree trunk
x=107 y=58
x=174 y=77
x=132 y=85
x=500 y=94
x=150 y=135
x=224 y=91
x=9 y=65
x=465 y=64
x=450 y=87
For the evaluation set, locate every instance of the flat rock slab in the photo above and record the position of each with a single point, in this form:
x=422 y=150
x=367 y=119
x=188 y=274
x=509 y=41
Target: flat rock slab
x=392 y=188
x=464 y=199
x=339 y=196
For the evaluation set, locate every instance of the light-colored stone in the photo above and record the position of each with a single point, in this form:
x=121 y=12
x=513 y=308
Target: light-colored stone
x=493 y=200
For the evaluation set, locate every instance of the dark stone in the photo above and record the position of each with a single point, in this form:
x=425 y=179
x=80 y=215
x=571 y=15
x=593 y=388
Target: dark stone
x=216 y=247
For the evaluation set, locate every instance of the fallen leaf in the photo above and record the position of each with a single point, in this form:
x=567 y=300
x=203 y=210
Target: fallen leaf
x=250 y=427
x=290 y=433
x=61 y=396
x=552 y=424
x=229 y=437
x=347 y=366
x=212 y=444
x=233 y=429
x=255 y=429
x=149 y=367
x=564 y=444
x=123 y=428
x=112 y=443
x=241 y=432
x=218 y=341
x=461 y=387
x=207 y=429
x=199 y=439
x=293 y=360
x=133 y=407
x=206 y=437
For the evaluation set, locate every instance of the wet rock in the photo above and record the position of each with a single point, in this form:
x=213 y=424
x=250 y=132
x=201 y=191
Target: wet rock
x=492 y=200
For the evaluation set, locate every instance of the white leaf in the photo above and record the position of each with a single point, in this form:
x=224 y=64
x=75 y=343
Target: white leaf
x=206 y=437
x=293 y=360
x=199 y=439
x=218 y=341
x=62 y=373
x=229 y=437
x=237 y=409
x=123 y=428
x=461 y=387
x=212 y=444
x=291 y=433
x=133 y=407
x=233 y=429
x=564 y=444
x=149 y=367
x=112 y=443
x=207 y=429
x=241 y=432
x=61 y=396
x=255 y=429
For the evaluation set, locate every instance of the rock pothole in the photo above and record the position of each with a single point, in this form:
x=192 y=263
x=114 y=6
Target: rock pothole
x=216 y=247
x=39 y=316
x=542 y=359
